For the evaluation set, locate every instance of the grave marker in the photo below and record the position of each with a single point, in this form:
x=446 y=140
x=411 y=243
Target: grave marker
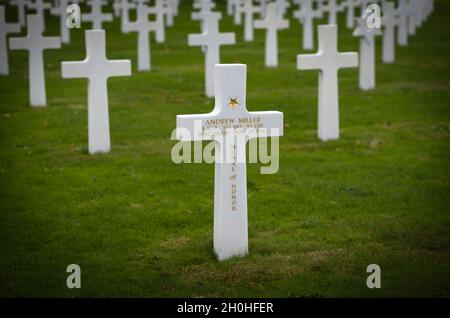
x=230 y=125
x=35 y=43
x=5 y=29
x=97 y=69
x=328 y=61
x=211 y=39
x=272 y=23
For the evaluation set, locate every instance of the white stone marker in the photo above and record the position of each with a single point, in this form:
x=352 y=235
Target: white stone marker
x=366 y=53
x=5 y=29
x=306 y=16
x=160 y=10
x=143 y=26
x=124 y=6
x=282 y=6
x=230 y=178
x=201 y=16
x=167 y=9
x=328 y=60
x=263 y=7
x=204 y=5
x=116 y=7
x=249 y=9
x=96 y=16
x=97 y=69
x=333 y=9
x=21 y=8
x=412 y=23
x=238 y=9
x=60 y=10
x=402 y=12
x=230 y=7
x=389 y=21
x=320 y=7
x=35 y=43
x=350 y=13
x=39 y=6
x=173 y=4
x=211 y=39
x=272 y=23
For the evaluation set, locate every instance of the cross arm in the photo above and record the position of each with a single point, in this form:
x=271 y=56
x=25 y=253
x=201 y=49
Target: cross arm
x=75 y=69
x=13 y=28
x=309 y=61
x=196 y=39
x=271 y=121
x=283 y=24
x=18 y=44
x=189 y=127
x=260 y=24
x=119 y=68
x=52 y=42
x=227 y=38
x=348 y=59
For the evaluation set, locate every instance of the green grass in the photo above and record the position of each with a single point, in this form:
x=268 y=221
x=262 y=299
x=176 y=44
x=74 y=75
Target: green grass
x=140 y=225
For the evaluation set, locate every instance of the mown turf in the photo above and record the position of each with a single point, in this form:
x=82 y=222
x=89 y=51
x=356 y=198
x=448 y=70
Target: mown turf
x=140 y=225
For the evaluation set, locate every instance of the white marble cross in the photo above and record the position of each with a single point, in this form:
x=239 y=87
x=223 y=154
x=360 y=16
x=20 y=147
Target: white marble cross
x=328 y=60
x=389 y=21
x=230 y=125
x=366 y=53
x=143 y=26
x=116 y=7
x=96 y=16
x=60 y=10
x=160 y=10
x=419 y=12
x=167 y=9
x=123 y=7
x=238 y=9
x=402 y=12
x=35 y=43
x=173 y=4
x=320 y=7
x=204 y=5
x=282 y=6
x=333 y=8
x=211 y=39
x=5 y=29
x=21 y=8
x=272 y=23
x=350 y=13
x=163 y=12
x=306 y=16
x=202 y=15
x=39 y=6
x=97 y=69
x=412 y=23
x=249 y=10
x=230 y=7
x=263 y=7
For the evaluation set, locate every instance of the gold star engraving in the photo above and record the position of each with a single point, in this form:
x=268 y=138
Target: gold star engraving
x=233 y=102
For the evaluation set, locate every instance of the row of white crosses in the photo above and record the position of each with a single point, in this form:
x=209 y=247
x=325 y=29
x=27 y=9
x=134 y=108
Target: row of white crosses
x=230 y=197
x=35 y=43
x=95 y=67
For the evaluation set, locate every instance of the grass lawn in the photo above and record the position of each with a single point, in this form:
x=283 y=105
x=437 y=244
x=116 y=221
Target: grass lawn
x=140 y=225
